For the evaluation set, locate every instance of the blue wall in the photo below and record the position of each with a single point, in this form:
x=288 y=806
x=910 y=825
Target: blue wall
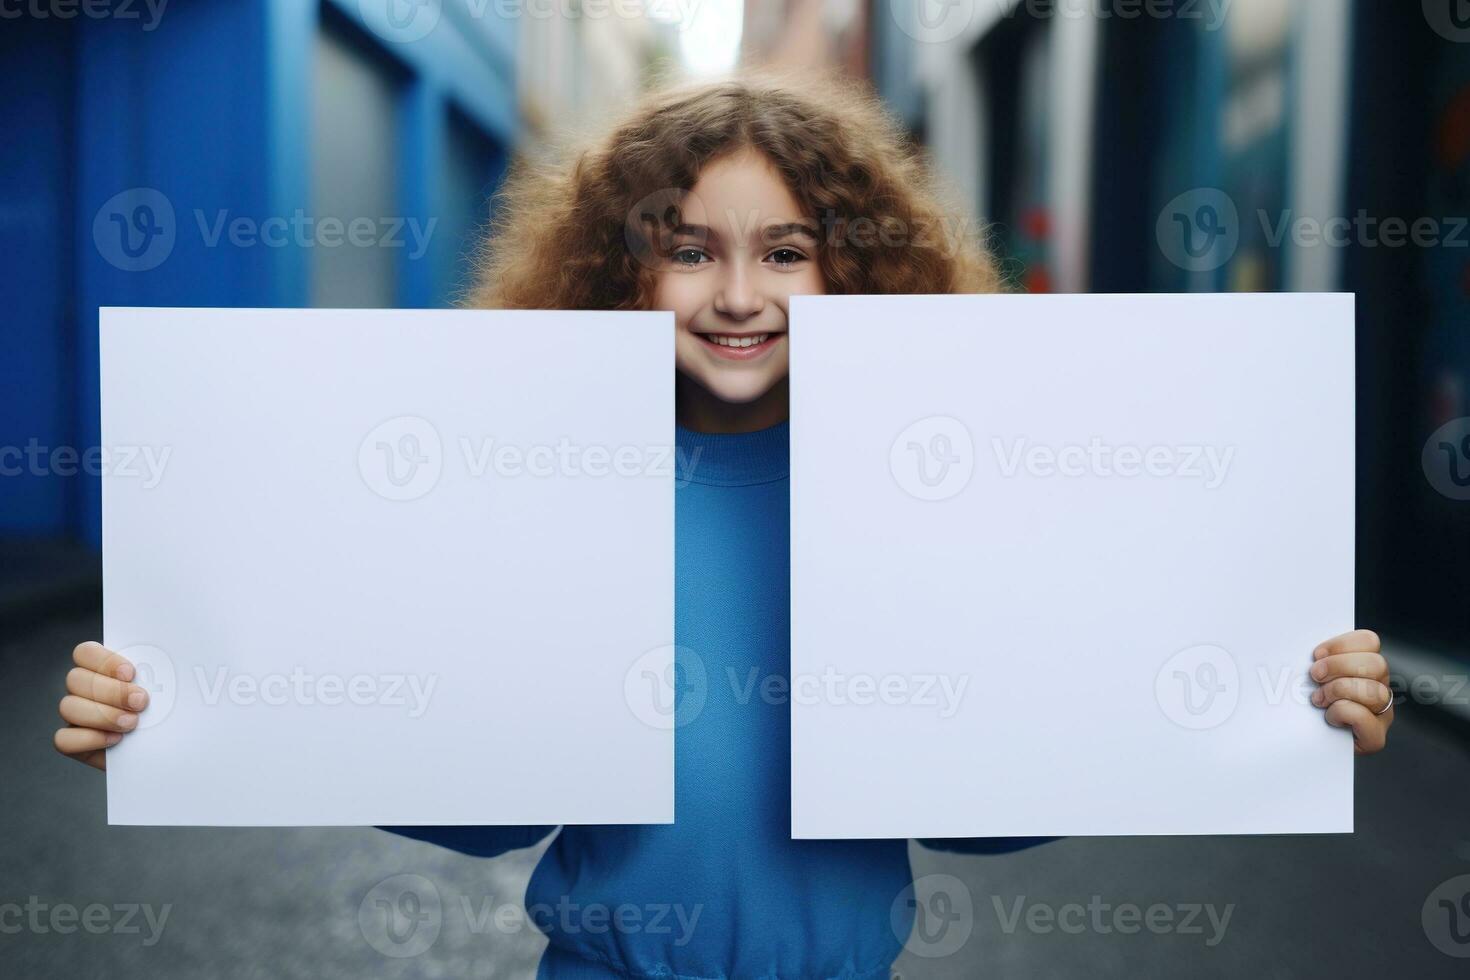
x=133 y=138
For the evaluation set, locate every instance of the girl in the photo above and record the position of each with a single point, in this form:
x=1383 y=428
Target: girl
x=719 y=203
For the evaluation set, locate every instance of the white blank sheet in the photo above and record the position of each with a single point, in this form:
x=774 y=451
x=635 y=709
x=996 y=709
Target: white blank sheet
x=1059 y=563
x=389 y=567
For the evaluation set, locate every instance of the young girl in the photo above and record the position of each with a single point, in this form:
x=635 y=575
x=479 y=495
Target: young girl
x=719 y=203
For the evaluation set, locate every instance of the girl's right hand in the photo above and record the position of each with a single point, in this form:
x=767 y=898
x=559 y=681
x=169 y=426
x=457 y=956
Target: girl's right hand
x=101 y=704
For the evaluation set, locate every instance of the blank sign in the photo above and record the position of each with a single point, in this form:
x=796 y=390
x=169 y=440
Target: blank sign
x=389 y=567
x=1059 y=563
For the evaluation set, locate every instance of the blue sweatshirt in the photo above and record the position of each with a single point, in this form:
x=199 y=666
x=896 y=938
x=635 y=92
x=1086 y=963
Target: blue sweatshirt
x=732 y=893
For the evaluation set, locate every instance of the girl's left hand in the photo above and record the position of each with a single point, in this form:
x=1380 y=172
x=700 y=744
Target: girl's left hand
x=1352 y=679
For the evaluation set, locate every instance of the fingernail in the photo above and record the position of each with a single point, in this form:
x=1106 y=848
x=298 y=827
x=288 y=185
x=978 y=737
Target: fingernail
x=1317 y=698
x=1318 y=670
x=125 y=672
x=113 y=738
x=137 y=700
x=126 y=720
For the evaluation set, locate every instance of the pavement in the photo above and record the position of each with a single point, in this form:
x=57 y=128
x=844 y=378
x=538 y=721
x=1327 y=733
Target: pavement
x=79 y=899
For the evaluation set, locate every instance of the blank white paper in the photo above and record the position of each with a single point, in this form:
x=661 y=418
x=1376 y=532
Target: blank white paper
x=390 y=567
x=1059 y=563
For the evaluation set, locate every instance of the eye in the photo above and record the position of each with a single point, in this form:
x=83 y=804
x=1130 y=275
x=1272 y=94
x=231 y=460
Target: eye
x=688 y=255
x=786 y=256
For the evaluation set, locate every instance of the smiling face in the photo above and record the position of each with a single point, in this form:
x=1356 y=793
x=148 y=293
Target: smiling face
x=742 y=251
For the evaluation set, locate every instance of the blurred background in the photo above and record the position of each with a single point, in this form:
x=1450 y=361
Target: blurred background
x=344 y=153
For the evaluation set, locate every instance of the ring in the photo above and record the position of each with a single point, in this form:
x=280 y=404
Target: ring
x=1386 y=706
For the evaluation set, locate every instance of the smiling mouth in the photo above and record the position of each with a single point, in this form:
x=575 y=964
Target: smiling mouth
x=740 y=345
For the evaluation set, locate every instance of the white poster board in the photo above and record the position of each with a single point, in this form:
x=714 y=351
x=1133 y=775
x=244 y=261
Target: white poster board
x=1059 y=563
x=390 y=567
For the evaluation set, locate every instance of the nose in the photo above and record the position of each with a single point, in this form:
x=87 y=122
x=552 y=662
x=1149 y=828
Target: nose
x=738 y=297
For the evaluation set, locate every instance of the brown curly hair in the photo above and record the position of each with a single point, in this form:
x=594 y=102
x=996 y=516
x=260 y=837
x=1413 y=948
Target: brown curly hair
x=561 y=238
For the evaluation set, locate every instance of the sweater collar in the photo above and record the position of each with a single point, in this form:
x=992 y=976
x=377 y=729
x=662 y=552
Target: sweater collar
x=733 y=459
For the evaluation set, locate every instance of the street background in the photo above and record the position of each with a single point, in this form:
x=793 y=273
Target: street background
x=1106 y=145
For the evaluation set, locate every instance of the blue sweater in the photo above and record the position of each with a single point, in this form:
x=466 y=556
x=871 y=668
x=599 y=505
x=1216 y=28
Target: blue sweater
x=724 y=891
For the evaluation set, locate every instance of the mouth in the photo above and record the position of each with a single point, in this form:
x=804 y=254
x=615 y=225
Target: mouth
x=740 y=347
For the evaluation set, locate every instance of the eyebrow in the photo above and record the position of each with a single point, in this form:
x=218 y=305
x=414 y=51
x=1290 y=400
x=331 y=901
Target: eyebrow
x=774 y=231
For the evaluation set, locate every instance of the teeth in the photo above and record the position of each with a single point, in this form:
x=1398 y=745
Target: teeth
x=726 y=341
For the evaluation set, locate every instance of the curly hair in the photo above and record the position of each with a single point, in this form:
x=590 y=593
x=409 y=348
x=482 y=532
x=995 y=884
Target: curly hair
x=562 y=238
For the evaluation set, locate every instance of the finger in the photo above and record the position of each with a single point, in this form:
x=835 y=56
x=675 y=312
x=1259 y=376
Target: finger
x=78 y=741
x=1370 y=731
x=95 y=656
x=89 y=714
x=97 y=687
x=1373 y=695
x=1354 y=641
x=1369 y=665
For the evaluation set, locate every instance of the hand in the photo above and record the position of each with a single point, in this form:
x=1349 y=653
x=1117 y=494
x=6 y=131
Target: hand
x=1352 y=679
x=101 y=705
